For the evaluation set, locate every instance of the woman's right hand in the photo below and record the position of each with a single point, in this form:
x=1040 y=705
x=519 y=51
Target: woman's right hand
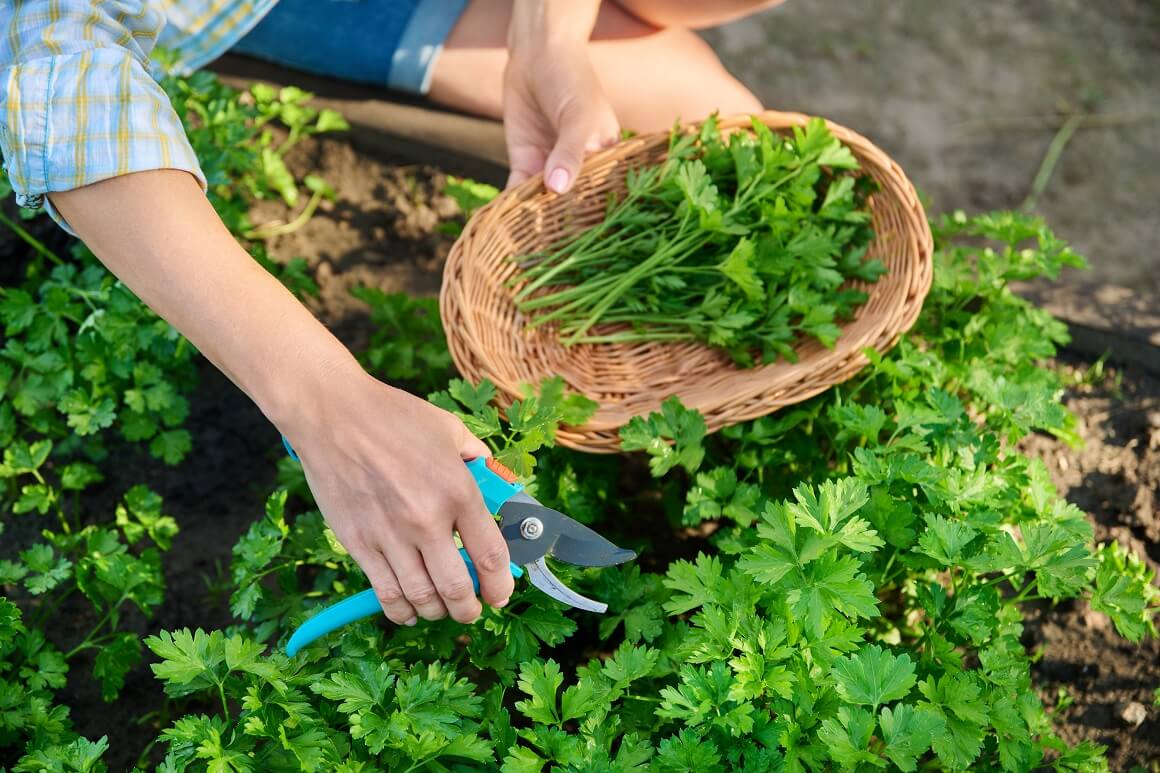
x=387 y=470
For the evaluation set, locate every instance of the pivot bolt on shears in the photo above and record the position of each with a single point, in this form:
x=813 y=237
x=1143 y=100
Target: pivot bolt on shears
x=532 y=532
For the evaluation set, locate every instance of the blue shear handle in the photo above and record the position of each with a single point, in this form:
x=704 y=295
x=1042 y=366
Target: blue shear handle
x=496 y=489
x=357 y=607
x=333 y=617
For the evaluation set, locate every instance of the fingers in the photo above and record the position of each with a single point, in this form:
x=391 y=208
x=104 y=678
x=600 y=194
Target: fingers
x=481 y=536
x=489 y=553
x=471 y=447
x=447 y=570
x=390 y=595
x=584 y=127
x=417 y=584
x=526 y=161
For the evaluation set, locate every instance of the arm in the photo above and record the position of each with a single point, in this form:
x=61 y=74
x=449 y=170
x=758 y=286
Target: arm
x=554 y=107
x=384 y=466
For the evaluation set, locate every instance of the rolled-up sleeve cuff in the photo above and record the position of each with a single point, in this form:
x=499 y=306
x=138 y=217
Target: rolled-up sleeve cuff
x=73 y=120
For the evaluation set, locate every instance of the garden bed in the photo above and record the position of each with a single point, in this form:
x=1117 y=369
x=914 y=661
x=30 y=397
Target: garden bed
x=387 y=229
x=1115 y=478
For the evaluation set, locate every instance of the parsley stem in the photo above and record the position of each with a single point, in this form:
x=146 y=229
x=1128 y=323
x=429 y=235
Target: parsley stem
x=278 y=567
x=997 y=580
x=676 y=250
x=89 y=642
x=287 y=228
x=47 y=610
x=889 y=565
x=37 y=245
x=629 y=336
x=292 y=139
x=418 y=764
x=1022 y=595
x=580 y=292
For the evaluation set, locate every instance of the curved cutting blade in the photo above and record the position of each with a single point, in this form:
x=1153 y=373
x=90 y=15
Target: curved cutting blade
x=541 y=576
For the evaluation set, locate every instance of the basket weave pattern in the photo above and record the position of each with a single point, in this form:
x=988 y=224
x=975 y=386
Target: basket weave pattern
x=488 y=339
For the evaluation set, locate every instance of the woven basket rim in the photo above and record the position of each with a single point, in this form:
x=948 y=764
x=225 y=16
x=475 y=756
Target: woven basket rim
x=473 y=305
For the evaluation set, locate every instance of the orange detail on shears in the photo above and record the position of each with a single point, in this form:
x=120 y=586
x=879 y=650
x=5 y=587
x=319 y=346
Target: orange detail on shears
x=500 y=470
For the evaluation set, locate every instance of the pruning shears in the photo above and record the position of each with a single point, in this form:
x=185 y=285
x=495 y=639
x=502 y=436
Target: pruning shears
x=532 y=532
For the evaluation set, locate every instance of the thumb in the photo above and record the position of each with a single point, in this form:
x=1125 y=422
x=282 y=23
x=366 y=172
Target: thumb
x=471 y=447
x=580 y=131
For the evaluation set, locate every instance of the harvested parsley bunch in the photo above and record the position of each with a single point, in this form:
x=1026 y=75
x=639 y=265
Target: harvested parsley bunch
x=740 y=242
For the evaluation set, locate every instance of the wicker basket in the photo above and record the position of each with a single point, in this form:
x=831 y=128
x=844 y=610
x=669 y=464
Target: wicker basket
x=488 y=339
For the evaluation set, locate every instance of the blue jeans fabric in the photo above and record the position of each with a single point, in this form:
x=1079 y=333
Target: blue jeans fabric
x=391 y=43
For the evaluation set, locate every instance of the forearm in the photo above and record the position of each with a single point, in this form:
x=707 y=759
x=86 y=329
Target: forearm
x=157 y=233
x=550 y=24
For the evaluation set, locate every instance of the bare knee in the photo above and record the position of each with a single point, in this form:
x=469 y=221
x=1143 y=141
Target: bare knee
x=675 y=76
x=693 y=14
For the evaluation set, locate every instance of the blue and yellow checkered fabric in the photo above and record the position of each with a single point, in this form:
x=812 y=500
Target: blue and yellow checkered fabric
x=79 y=102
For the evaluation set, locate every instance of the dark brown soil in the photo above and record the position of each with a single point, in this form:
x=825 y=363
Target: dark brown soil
x=380 y=232
x=1115 y=478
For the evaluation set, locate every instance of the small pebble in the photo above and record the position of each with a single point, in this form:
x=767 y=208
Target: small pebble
x=1097 y=621
x=1134 y=714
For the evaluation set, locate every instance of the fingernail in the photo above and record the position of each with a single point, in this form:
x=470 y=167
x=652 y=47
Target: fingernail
x=501 y=604
x=411 y=622
x=558 y=180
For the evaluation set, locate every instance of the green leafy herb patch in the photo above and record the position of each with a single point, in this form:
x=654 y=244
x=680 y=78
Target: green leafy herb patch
x=86 y=371
x=857 y=605
x=839 y=586
x=742 y=242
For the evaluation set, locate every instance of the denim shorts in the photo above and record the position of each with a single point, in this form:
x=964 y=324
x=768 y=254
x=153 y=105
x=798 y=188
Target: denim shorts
x=391 y=43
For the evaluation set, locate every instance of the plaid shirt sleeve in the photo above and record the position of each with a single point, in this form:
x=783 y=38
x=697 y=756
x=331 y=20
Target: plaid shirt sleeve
x=77 y=102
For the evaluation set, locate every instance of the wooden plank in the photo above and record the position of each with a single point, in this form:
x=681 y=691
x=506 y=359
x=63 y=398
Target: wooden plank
x=388 y=124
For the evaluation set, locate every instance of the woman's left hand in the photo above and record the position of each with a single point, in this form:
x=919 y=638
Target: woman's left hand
x=554 y=109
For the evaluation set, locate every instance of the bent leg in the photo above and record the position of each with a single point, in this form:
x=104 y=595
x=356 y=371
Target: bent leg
x=695 y=14
x=651 y=76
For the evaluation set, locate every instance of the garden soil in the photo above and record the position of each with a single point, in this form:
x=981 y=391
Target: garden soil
x=1115 y=478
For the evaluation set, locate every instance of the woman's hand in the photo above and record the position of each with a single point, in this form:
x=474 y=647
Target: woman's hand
x=387 y=471
x=554 y=109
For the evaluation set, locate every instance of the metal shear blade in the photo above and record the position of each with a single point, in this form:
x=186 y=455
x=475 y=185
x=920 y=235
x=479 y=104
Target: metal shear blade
x=541 y=576
x=534 y=531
